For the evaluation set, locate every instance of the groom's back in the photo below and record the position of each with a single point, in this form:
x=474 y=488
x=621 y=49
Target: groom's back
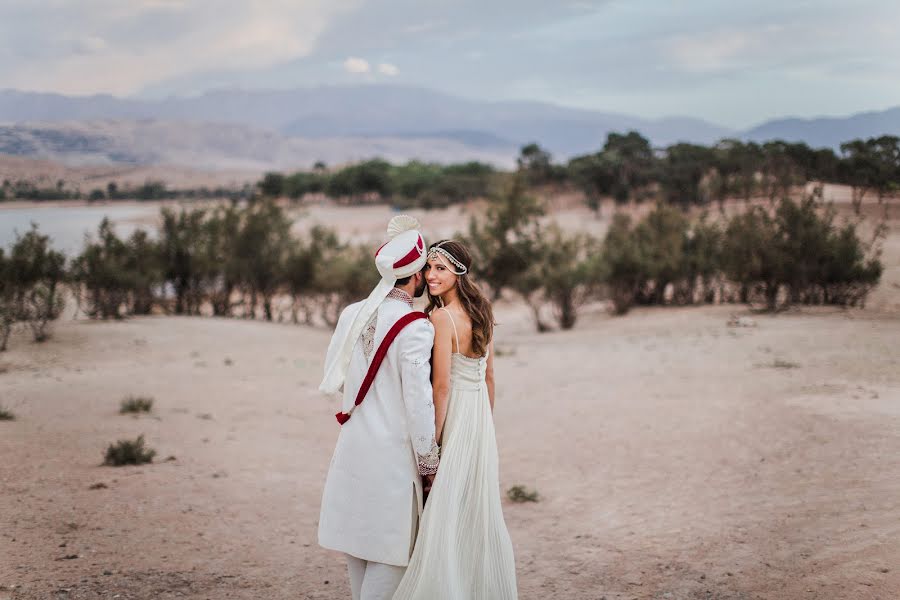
x=373 y=483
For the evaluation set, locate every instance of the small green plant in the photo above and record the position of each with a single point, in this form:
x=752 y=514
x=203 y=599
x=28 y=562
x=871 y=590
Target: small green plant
x=136 y=404
x=128 y=452
x=519 y=493
x=6 y=415
x=784 y=364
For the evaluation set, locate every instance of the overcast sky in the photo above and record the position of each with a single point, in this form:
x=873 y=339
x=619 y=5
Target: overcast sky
x=732 y=63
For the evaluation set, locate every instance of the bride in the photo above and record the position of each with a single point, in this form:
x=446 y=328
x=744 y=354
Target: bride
x=463 y=550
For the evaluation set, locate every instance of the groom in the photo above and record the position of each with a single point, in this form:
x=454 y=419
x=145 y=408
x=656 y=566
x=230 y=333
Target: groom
x=380 y=354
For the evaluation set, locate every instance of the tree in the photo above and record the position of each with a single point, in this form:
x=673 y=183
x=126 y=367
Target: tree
x=503 y=242
x=737 y=164
x=701 y=260
x=872 y=164
x=566 y=272
x=262 y=246
x=369 y=178
x=181 y=243
x=8 y=292
x=682 y=171
x=272 y=184
x=780 y=172
x=622 y=265
x=594 y=175
x=632 y=163
x=145 y=274
x=535 y=164
x=660 y=237
x=751 y=255
x=36 y=273
x=100 y=274
x=221 y=259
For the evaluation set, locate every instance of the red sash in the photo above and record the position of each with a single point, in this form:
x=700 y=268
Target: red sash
x=343 y=417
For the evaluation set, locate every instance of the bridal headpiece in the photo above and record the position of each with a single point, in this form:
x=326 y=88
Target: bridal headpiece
x=436 y=250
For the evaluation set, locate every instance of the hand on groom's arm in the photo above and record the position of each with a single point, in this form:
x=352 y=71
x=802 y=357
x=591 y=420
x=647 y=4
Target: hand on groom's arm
x=427 y=482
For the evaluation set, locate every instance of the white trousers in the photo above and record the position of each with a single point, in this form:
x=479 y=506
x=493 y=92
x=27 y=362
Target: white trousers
x=372 y=580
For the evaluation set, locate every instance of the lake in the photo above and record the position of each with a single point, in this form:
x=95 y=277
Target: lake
x=67 y=225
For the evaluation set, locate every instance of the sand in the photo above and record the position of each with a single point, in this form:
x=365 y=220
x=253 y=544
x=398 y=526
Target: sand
x=675 y=456
x=671 y=455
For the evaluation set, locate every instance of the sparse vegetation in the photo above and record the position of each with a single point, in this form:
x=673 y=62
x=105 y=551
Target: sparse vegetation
x=239 y=260
x=31 y=280
x=38 y=189
x=784 y=364
x=519 y=493
x=128 y=452
x=424 y=185
x=136 y=404
x=788 y=253
x=626 y=169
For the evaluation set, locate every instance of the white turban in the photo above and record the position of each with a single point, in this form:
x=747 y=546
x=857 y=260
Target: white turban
x=403 y=255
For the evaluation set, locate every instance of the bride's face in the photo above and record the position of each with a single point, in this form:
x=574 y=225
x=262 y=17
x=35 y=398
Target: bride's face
x=439 y=277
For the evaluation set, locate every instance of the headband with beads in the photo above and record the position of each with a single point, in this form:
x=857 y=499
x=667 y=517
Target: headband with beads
x=436 y=249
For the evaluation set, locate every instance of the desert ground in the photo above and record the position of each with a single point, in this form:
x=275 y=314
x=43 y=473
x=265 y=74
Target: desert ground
x=46 y=173
x=674 y=456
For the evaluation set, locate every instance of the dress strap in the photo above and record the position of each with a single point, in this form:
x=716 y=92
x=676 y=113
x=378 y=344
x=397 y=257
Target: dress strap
x=452 y=322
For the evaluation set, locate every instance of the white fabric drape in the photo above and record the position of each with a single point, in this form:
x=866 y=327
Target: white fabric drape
x=463 y=551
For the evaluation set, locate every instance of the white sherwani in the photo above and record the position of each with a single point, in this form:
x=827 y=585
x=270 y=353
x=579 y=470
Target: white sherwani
x=373 y=491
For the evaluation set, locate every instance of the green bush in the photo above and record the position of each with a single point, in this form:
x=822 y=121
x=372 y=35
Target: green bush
x=136 y=404
x=504 y=242
x=519 y=493
x=798 y=250
x=109 y=272
x=622 y=264
x=31 y=280
x=567 y=272
x=128 y=452
x=6 y=415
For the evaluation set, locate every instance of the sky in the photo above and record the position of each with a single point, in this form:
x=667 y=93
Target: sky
x=732 y=63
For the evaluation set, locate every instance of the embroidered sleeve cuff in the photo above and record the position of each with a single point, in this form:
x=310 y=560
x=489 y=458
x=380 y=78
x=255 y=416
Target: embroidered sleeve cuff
x=428 y=463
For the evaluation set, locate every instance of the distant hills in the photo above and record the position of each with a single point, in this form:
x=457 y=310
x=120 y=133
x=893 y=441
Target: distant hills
x=294 y=128
x=220 y=146
x=828 y=132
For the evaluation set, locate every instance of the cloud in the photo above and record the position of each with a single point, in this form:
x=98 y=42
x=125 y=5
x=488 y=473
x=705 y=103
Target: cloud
x=122 y=47
x=711 y=52
x=357 y=65
x=388 y=69
x=89 y=44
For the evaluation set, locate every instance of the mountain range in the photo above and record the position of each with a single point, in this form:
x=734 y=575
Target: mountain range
x=293 y=128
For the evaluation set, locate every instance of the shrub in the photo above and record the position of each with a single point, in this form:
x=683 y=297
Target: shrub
x=6 y=415
x=136 y=404
x=128 y=452
x=660 y=238
x=801 y=250
x=567 y=272
x=519 y=493
x=31 y=279
x=105 y=273
x=622 y=264
x=504 y=242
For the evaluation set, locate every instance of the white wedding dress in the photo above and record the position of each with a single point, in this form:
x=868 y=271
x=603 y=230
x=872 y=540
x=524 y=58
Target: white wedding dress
x=463 y=550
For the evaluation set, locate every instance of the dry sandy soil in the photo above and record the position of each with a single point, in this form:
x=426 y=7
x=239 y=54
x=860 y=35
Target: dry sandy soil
x=675 y=457
x=87 y=178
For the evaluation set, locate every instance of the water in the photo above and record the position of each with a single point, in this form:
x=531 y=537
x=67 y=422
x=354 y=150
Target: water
x=67 y=225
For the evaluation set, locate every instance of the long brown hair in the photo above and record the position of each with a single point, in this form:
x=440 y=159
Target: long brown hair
x=473 y=301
